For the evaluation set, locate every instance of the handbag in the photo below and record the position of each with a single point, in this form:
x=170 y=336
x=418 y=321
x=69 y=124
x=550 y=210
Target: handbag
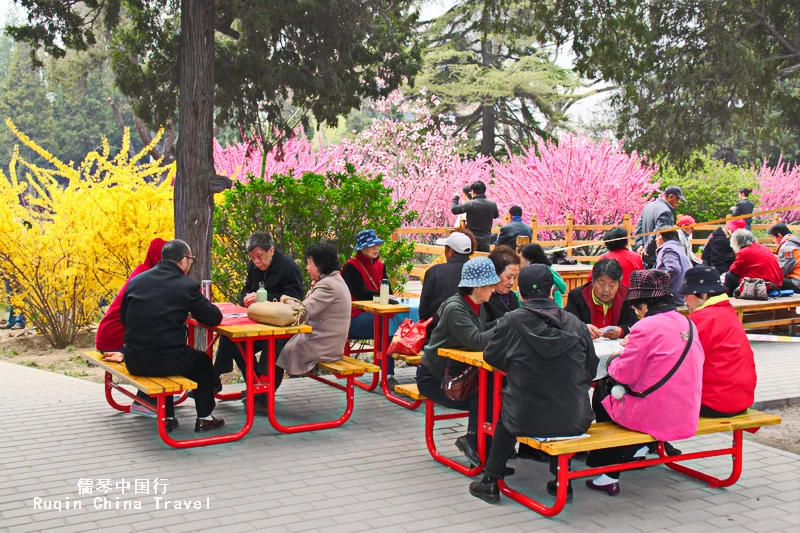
x=461 y=386
x=612 y=384
x=409 y=339
x=290 y=312
x=752 y=289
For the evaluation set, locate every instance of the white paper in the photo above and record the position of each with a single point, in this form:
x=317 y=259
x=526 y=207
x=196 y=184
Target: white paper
x=551 y=439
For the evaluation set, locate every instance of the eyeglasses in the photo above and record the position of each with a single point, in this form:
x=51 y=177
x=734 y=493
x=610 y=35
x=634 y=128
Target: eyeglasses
x=192 y=258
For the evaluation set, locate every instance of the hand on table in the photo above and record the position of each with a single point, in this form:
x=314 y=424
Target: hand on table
x=114 y=357
x=594 y=331
x=249 y=298
x=614 y=334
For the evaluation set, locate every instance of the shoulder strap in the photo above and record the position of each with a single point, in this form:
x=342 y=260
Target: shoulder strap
x=374 y=286
x=666 y=378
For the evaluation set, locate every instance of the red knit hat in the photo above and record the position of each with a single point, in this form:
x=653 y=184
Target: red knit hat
x=686 y=220
x=737 y=223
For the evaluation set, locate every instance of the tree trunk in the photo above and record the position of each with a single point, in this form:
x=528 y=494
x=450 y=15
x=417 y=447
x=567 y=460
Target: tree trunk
x=487 y=108
x=196 y=180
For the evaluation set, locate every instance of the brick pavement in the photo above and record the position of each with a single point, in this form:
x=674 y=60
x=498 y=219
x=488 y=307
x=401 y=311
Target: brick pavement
x=372 y=474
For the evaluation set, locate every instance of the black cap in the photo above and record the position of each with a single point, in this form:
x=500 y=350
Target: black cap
x=535 y=281
x=700 y=280
x=515 y=211
x=676 y=191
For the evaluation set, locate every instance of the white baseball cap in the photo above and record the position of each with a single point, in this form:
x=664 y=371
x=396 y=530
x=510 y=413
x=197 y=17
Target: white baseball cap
x=459 y=242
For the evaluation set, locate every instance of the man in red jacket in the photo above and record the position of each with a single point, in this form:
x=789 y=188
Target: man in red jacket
x=729 y=370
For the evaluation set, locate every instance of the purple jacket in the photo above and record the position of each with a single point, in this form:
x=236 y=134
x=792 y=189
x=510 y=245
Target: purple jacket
x=655 y=344
x=671 y=258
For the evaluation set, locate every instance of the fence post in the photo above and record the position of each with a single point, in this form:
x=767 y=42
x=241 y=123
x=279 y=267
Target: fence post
x=506 y=218
x=568 y=234
x=626 y=222
x=535 y=228
x=776 y=219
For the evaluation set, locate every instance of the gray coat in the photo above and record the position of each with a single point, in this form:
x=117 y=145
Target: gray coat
x=672 y=260
x=656 y=215
x=328 y=305
x=512 y=230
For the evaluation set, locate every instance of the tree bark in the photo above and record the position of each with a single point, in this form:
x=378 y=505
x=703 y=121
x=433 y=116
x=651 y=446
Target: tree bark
x=487 y=108
x=196 y=180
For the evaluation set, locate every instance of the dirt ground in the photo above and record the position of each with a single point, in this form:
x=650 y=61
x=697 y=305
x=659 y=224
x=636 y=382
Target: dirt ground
x=25 y=347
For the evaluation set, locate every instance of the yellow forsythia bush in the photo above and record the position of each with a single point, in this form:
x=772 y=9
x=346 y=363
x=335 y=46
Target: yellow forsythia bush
x=72 y=235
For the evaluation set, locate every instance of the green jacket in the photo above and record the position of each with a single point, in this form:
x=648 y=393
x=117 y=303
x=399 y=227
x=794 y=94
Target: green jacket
x=561 y=288
x=459 y=328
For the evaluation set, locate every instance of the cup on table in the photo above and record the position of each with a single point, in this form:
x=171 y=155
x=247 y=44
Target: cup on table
x=376 y=299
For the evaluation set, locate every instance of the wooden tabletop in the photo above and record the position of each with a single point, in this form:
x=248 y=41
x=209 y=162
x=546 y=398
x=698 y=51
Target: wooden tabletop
x=380 y=309
x=463 y=356
x=786 y=302
x=572 y=268
x=260 y=330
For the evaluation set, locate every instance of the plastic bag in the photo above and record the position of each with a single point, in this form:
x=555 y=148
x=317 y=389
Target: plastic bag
x=409 y=338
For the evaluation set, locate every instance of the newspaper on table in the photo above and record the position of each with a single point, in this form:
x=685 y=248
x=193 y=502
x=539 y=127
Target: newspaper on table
x=605 y=348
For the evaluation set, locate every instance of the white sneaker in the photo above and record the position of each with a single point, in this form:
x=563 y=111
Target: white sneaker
x=139 y=409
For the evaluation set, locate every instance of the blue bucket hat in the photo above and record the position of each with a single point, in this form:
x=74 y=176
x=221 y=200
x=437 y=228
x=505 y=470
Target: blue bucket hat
x=367 y=238
x=478 y=272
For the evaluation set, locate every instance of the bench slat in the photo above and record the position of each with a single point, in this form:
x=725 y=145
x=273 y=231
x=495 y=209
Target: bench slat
x=348 y=366
x=410 y=390
x=611 y=435
x=410 y=359
x=148 y=385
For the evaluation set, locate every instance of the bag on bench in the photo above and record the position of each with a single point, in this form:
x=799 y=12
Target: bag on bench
x=291 y=312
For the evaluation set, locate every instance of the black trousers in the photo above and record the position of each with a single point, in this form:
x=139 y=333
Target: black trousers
x=187 y=362
x=502 y=446
x=791 y=284
x=608 y=456
x=731 y=282
x=142 y=396
x=431 y=387
x=228 y=352
x=711 y=413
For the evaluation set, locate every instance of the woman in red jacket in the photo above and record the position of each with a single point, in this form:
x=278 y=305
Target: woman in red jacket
x=110 y=334
x=729 y=371
x=753 y=260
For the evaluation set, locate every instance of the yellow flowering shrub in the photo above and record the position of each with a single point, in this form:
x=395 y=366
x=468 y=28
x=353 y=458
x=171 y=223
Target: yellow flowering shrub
x=71 y=235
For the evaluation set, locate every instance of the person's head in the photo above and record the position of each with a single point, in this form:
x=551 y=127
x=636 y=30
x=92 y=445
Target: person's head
x=744 y=192
x=735 y=224
x=673 y=195
x=515 y=211
x=457 y=243
x=322 y=259
x=178 y=252
x=478 y=187
x=699 y=284
x=154 y=252
x=649 y=289
x=616 y=239
x=478 y=279
x=778 y=232
x=368 y=244
x=741 y=238
x=536 y=282
x=685 y=223
x=467 y=190
x=261 y=248
x=506 y=265
x=533 y=254
x=666 y=236
x=606 y=278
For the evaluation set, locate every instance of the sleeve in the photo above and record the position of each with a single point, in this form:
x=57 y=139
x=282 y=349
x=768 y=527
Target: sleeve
x=248 y=282
x=123 y=308
x=787 y=262
x=629 y=366
x=738 y=209
x=738 y=266
x=559 y=281
x=496 y=352
x=572 y=304
x=358 y=289
x=671 y=263
x=504 y=236
x=639 y=241
x=293 y=283
x=318 y=300
x=457 y=209
x=496 y=212
x=465 y=332
x=627 y=318
x=202 y=310
x=426 y=297
x=592 y=360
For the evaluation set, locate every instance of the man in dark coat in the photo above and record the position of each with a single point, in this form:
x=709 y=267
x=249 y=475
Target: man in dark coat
x=717 y=252
x=481 y=213
x=441 y=281
x=153 y=312
x=515 y=228
x=658 y=214
x=280 y=276
x=550 y=363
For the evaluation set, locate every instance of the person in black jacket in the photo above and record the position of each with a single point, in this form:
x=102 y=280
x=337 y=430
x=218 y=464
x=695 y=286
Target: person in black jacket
x=481 y=213
x=506 y=264
x=154 y=311
x=744 y=207
x=515 y=228
x=280 y=276
x=550 y=362
x=441 y=281
x=718 y=252
x=600 y=303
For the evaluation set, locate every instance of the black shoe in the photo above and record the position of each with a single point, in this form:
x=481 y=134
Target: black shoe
x=671 y=450
x=391 y=383
x=526 y=452
x=487 y=492
x=462 y=443
x=551 y=489
x=170 y=424
x=507 y=471
x=202 y=425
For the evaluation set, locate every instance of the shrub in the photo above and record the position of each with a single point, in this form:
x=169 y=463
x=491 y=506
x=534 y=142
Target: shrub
x=301 y=211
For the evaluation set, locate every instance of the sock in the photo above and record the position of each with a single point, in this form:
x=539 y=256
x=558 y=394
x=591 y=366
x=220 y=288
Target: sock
x=641 y=452
x=209 y=418
x=604 y=480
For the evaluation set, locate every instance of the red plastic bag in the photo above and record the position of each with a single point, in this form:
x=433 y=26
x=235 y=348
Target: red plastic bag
x=409 y=338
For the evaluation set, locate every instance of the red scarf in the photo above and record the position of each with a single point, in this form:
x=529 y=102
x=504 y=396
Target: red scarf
x=371 y=272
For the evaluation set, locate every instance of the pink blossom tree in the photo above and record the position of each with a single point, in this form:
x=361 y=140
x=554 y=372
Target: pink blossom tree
x=779 y=186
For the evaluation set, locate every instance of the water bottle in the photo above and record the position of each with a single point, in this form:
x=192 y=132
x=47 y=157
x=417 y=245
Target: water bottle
x=261 y=293
x=385 y=292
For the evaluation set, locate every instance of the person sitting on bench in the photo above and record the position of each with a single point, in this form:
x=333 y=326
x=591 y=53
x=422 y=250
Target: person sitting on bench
x=729 y=371
x=549 y=360
x=654 y=385
x=154 y=312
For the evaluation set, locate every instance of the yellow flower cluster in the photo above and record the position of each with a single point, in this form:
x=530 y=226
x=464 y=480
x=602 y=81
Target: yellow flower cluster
x=72 y=235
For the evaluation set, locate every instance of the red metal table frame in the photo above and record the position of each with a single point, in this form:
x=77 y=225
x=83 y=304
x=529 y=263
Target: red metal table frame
x=382 y=314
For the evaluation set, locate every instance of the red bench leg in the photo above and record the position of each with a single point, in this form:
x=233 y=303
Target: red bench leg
x=561 y=491
x=430 y=419
x=110 y=385
x=376 y=357
x=713 y=482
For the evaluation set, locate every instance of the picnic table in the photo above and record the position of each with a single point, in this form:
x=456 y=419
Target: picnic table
x=789 y=305
x=383 y=314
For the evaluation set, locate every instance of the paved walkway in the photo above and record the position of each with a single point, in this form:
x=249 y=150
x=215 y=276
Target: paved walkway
x=372 y=474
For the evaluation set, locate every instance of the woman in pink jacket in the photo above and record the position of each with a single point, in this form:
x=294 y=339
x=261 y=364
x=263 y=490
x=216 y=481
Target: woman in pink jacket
x=660 y=376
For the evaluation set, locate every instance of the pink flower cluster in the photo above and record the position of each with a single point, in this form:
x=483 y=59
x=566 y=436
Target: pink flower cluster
x=779 y=186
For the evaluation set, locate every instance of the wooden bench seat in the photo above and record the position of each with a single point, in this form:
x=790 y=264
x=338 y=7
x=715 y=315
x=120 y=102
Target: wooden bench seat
x=411 y=390
x=152 y=386
x=348 y=366
x=412 y=360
